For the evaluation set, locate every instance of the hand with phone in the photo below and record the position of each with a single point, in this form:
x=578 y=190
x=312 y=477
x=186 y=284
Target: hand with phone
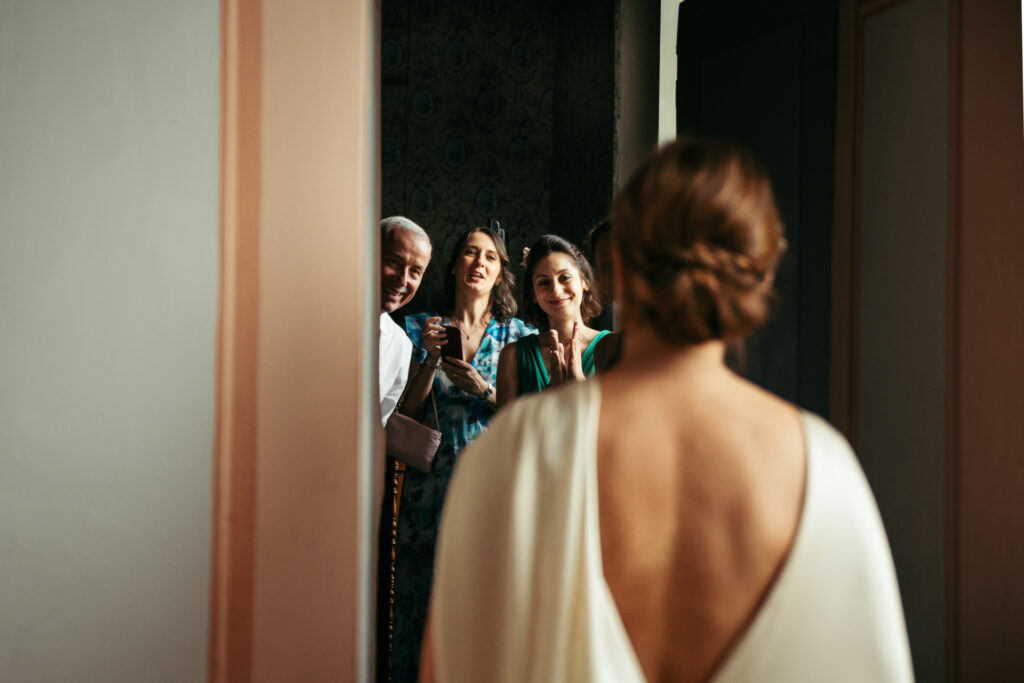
x=465 y=377
x=443 y=344
x=452 y=346
x=460 y=372
x=433 y=339
x=441 y=341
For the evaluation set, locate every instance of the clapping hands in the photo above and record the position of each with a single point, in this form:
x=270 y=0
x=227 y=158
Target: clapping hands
x=562 y=360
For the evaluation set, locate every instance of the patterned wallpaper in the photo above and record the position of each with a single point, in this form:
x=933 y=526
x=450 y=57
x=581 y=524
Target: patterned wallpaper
x=585 y=117
x=486 y=108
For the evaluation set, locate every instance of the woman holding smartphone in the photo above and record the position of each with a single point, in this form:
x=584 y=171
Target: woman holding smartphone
x=558 y=297
x=458 y=359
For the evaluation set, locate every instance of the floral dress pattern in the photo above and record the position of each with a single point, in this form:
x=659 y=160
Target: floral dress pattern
x=462 y=417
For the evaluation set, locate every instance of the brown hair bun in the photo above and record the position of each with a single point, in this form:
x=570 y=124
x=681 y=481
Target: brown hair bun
x=699 y=235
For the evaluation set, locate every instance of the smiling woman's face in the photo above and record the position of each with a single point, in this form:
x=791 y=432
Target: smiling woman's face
x=558 y=287
x=478 y=266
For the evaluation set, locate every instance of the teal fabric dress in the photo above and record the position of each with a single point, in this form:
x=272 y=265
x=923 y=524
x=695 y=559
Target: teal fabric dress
x=533 y=376
x=462 y=418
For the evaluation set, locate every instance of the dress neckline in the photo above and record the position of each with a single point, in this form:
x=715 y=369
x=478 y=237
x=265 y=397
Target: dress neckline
x=483 y=338
x=742 y=637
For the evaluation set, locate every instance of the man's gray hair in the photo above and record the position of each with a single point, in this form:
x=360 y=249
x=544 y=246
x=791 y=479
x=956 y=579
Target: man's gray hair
x=390 y=225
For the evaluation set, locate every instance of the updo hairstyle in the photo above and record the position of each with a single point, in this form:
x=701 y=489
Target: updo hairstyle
x=590 y=307
x=699 y=237
x=503 y=302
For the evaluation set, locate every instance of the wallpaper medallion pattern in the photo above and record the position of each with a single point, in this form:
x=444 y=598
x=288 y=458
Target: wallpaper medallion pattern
x=467 y=121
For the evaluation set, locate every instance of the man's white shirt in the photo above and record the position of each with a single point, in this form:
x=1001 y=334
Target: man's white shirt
x=395 y=353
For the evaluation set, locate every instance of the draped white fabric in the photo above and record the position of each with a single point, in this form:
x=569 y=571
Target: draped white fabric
x=519 y=591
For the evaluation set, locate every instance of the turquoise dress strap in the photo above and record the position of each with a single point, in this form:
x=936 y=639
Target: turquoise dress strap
x=533 y=376
x=587 y=361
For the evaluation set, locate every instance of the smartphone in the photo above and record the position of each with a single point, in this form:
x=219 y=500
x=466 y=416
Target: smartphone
x=453 y=342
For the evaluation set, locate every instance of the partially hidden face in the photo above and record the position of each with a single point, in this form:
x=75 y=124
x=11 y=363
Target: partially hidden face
x=478 y=265
x=404 y=259
x=557 y=286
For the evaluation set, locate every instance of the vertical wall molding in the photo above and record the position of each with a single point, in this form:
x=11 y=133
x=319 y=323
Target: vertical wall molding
x=989 y=337
x=846 y=236
x=297 y=417
x=841 y=374
x=231 y=581
x=952 y=295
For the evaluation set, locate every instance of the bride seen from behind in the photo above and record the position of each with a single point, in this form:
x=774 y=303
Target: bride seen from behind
x=669 y=520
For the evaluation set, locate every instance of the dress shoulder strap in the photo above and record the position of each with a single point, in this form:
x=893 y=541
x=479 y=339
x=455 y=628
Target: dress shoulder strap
x=533 y=376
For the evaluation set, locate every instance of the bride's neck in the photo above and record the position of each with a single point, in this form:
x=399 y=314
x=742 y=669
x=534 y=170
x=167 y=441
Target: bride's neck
x=643 y=346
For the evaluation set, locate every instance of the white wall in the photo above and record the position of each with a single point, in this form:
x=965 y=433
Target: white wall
x=668 y=70
x=108 y=304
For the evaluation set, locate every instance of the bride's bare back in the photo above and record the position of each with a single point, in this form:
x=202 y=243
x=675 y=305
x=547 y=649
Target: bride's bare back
x=700 y=474
x=700 y=479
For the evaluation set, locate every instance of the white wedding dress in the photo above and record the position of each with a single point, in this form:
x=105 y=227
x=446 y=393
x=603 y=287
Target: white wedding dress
x=519 y=592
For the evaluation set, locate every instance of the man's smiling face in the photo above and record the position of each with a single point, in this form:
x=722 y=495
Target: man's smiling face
x=404 y=259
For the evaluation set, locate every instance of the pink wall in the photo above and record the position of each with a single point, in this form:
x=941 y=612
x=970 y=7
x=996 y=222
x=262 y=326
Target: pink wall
x=297 y=416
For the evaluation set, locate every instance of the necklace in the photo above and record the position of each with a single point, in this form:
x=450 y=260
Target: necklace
x=466 y=333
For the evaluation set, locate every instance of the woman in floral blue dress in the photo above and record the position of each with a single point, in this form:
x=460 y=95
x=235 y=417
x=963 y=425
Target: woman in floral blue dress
x=478 y=289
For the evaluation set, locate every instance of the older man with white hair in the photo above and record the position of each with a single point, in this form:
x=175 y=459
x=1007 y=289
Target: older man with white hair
x=404 y=255
x=405 y=252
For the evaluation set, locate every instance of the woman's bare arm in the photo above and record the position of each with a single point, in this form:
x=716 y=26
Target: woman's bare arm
x=422 y=380
x=421 y=375
x=507 y=387
x=427 y=655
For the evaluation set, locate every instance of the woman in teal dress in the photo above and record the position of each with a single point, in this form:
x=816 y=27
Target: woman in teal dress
x=478 y=291
x=558 y=296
